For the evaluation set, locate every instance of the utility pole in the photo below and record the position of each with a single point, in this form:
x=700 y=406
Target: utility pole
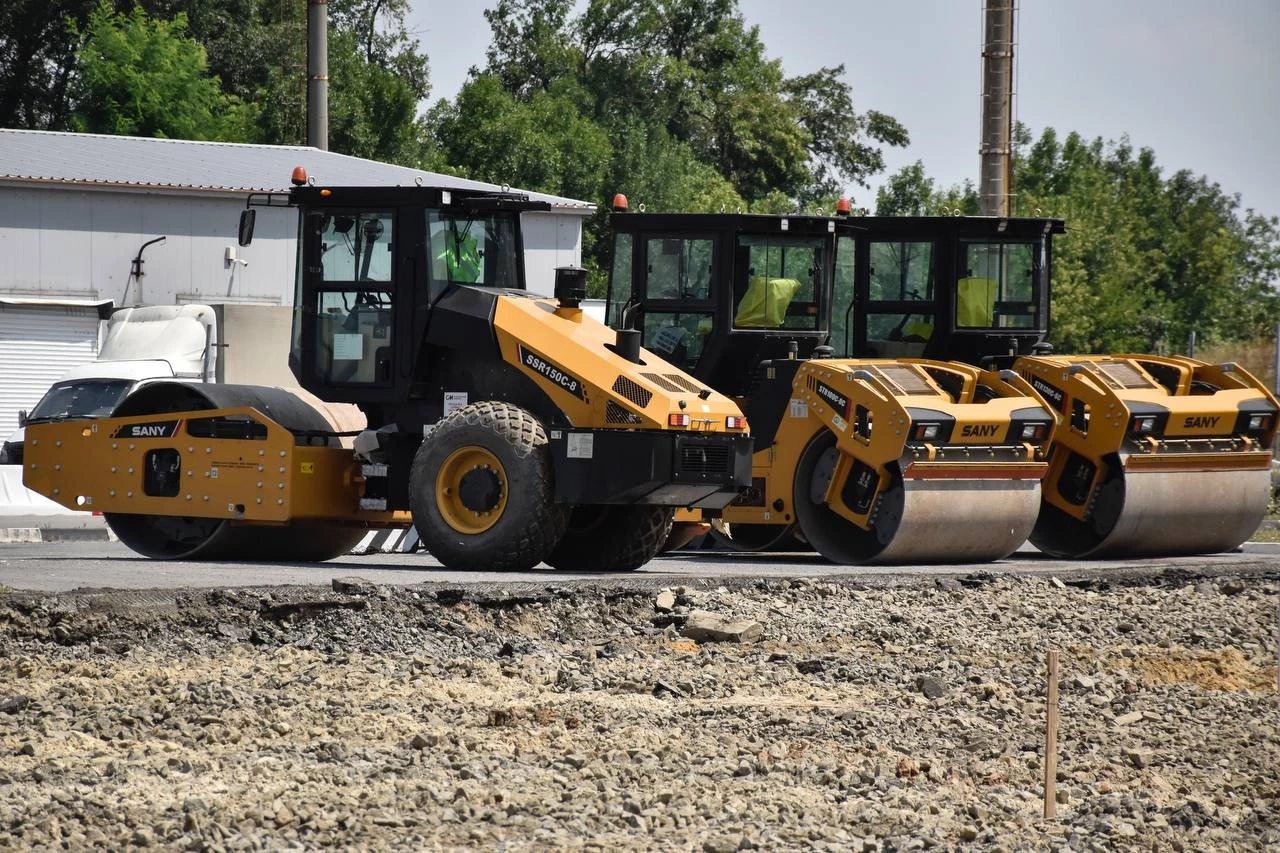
x=995 y=178
x=318 y=74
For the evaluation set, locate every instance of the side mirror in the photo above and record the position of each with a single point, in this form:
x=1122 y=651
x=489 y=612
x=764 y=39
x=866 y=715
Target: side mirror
x=22 y=418
x=247 y=217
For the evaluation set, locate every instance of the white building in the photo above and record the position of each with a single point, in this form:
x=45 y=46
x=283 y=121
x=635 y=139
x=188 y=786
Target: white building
x=77 y=209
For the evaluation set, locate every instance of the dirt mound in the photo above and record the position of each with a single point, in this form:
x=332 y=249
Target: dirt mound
x=1218 y=669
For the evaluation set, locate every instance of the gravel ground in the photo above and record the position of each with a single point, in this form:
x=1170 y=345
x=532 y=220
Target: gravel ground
x=899 y=716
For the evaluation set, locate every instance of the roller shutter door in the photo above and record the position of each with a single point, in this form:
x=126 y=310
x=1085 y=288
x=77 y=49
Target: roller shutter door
x=37 y=346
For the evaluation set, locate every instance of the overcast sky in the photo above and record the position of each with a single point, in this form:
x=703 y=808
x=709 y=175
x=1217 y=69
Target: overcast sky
x=1197 y=81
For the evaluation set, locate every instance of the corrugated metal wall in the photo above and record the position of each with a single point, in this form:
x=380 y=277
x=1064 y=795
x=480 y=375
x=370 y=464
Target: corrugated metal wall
x=37 y=346
x=77 y=243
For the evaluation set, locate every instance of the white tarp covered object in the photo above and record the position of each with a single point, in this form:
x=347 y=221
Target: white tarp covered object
x=178 y=334
x=16 y=499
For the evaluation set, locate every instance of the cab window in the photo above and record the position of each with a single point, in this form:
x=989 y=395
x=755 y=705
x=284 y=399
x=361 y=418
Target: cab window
x=678 y=269
x=996 y=288
x=679 y=315
x=677 y=336
x=353 y=303
x=779 y=288
x=901 y=271
x=620 y=278
x=842 y=305
x=473 y=249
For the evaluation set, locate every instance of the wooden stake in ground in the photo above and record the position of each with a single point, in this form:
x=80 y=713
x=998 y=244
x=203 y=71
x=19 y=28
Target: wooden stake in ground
x=1051 y=739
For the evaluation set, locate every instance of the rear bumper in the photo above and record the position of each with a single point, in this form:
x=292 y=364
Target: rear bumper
x=666 y=468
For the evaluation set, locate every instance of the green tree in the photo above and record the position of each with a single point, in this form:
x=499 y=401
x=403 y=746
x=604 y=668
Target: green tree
x=37 y=58
x=691 y=111
x=1146 y=259
x=911 y=192
x=542 y=142
x=695 y=69
x=140 y=76
x=256 y=51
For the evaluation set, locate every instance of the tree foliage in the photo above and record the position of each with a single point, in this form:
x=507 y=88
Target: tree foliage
x=693 y=72
x=675 y=102
x=256 y=51
x=1147 y=258
x=140 y=76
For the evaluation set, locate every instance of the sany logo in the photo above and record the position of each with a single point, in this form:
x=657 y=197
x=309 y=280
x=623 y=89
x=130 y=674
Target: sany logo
x=979 y=430
x=157 y=429
x=1200 y=422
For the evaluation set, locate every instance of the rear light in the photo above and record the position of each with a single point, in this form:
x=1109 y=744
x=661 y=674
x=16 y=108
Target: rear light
x=678 y=419
x=1259 y=423
x=1034 y=432
x=735 y=422
x=924 y=432
x=1142 y=424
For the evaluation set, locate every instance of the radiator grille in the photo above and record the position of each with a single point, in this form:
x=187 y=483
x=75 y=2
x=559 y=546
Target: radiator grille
x=684 y=383
x=906 y=378
x=1121 y=374
x=705 y=458
x=633 y=392
x=661 y=382
x=615 y=414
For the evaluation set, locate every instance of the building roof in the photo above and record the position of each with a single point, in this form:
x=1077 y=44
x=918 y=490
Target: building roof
x=94 y=160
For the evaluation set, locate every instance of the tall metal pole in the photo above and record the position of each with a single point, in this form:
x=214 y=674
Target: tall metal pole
x=996 y=150
x=318 y=74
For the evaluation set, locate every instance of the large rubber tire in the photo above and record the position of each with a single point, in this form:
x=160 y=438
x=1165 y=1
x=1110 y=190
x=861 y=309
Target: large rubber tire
x=612 y=538
x=525 y=523
x=182 y=538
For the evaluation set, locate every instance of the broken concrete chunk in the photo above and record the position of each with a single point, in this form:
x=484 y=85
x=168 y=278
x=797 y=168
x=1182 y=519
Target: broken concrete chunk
x=706 y=627
x=354 y=585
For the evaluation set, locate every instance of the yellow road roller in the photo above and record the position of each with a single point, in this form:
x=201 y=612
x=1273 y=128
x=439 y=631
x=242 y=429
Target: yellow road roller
x=752 y=304
x=509 y=429
x=907 y=461
x=888 y=459
x=1152 y=456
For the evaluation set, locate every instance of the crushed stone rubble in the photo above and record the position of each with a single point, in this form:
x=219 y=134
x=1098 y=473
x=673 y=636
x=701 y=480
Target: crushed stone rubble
x=782 y=714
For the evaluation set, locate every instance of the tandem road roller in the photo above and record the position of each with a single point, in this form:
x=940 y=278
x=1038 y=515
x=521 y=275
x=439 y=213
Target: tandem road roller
x=509 y=429
x=930 y=332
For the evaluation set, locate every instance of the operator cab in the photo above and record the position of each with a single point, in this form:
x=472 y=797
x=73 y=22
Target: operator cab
x=714 y=294
x=951 y=288
x=373 y=263
x=727 y=295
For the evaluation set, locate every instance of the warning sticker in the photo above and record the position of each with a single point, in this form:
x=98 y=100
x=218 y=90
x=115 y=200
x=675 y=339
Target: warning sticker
x=799 y=408
x=580 y=445
x=454 y=400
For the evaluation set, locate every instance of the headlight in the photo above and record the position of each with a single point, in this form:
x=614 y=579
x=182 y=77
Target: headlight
x=1259 y=423
x=924 y=432
x=1142 y=424
x=1034 y=432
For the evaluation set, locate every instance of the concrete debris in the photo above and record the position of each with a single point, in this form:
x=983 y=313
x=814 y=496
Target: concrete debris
x=481 y=719
x=705 y=627
x=354 y=585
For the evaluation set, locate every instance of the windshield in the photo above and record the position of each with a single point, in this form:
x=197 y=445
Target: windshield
x=81 y=398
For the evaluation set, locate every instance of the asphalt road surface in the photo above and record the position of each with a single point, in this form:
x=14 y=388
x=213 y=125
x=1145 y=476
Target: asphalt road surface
x=61 y=566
